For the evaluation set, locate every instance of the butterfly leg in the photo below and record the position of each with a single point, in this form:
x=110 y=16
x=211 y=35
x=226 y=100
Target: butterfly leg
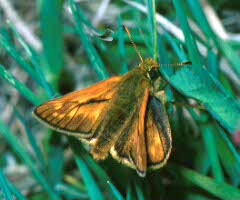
x=161 y=96
x=159 y=84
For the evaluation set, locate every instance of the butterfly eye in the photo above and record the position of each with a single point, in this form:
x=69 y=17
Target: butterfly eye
x=153 y=73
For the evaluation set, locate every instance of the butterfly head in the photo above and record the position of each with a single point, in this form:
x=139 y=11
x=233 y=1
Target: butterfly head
x=150 y=68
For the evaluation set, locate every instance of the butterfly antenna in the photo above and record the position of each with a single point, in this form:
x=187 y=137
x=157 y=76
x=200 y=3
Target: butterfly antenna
x=177 y=64
x=135 y=46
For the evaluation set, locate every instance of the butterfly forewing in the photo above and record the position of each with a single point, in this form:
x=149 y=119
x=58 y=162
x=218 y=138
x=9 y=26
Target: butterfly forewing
x=77 y=112
x=158 y=133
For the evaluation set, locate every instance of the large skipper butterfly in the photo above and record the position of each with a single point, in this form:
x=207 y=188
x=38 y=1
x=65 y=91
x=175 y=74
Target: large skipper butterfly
x=123 y=115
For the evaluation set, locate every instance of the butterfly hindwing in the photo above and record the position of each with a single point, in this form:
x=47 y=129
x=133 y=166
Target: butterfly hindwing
x=158 y=133
x=77 y=112
x=146 y=141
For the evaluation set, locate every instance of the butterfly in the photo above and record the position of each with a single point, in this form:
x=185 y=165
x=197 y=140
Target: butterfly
x=122 y=115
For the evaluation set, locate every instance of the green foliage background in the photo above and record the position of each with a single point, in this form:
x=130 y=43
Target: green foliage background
x=204 y=163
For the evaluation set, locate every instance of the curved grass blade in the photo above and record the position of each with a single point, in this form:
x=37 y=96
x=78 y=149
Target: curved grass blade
x=22 y=153
x=228 y=155
x=115 y=191
x=220 y=190
x=91 y=51
x=52 y=37
x=152 y=18
x=222 y=45
x=209 y=140
x=198 y=83
x=70 y=192
x=130 y=194
x=24 y=90
x=35 y=61
x=36 y=149
x=190 y=42
x=15 y=191
x=121 y=47
x=4 y=187
x=91 y=185
x=139 y=191
x=9 y=48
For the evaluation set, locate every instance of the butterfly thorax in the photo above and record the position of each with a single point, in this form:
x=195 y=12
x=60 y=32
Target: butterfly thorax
x=148 y=64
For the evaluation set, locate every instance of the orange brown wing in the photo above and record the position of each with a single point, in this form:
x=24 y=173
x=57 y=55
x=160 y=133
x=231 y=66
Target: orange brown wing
x=158 y=134
x=146 y=141
x=75 y=113
x=130 y=149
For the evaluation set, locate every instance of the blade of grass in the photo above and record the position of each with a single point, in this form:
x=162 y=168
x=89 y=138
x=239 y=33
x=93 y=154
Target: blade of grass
x=15 y=191
x=228 y=154
x=115 y=191
x=70 y=192
x=56 y=158
x=190 y=42
x=91 y=185
x=209 y=140
x=22 y=153
x=35 y=61
x=130 y=195
x=9 y=48
x=106 y=35
x=152 y=18
x=162 y=52
x=139 y=191
x=36 y=149
x=25 y=91
x=91 y=51
x=224 y=47
x=220 y=190
x=52 y=37
x=198 y=83
x=4 y=187
x=121 y=46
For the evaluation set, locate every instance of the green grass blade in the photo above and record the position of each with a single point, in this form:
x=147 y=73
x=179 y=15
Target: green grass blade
x=190 y=42
x=152 y=18
x=130 y=195
x=231 y=55
x=52 y=37
x=223 y=46
x=139 y=191
x=35 y=61
x=162 y=52
x=32 y=140
x=25 y=91
x=209 y=140
x=124 y=68
x=56 y=159
x=93 y=189
x=70 y=192
x=22 y=153
x=101 y=176
x=229 y=156
x=115 y=191
x=15 y=192
x=201 y=19
x=17 y=57
x=91 y=51
x=213 y=63
x=198 y=83
x=4 y=187
x=220 y=190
